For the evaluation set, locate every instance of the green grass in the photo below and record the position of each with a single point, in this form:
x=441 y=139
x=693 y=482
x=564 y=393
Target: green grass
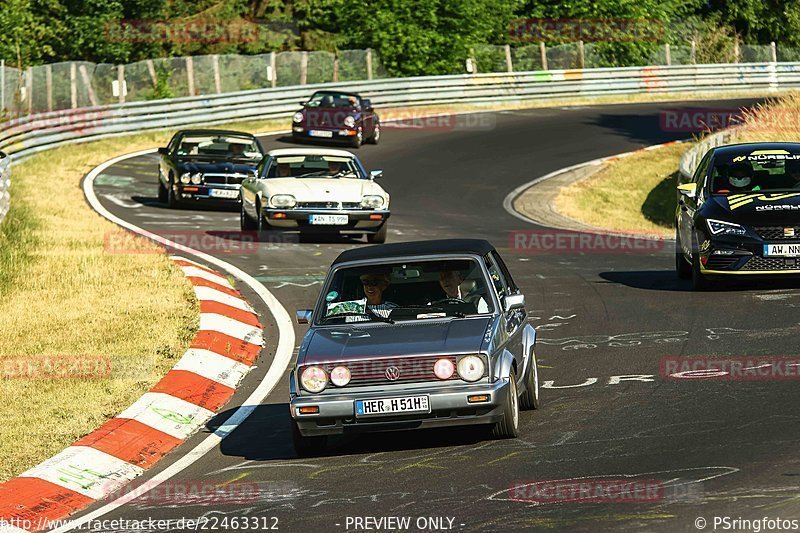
x=17 y=242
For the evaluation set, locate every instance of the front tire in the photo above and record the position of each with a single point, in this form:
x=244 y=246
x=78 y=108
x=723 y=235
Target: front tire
x=682 y=266
x=699 y=281
x=246 y=223
x=162 y=192
x=376 y=134
x=307 y=446
x=172 y=200
x=380 y=236
x=508 y=426
x=358 y=140
x=530 y=398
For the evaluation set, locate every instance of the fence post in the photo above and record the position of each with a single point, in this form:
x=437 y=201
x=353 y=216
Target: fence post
x=581 y=57
x=190 y=74
x=151 y=69
x=693 y=53
x=369 y=63
x=121 y=83
x=509 y=64
x=73 y=85
x=2 y=84
x=667 y=55
x=29 y=88
x=474 y=61
x=773 y=52
x=49 y=81
x=273 y=65
x=736 y=48
x=543 y=52
x=88 y=82
x=215 y=65
x=335 y=69
x=303 y=68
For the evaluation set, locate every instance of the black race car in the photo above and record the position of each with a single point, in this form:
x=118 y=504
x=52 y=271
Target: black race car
x=337 y=116
x=740 y=214
x=206 y=165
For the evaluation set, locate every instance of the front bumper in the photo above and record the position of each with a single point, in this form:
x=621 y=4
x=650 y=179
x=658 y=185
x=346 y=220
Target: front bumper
x=358 y=220
x=731 y=256
x=190 y=193
x=449 y=407
x=336 y=134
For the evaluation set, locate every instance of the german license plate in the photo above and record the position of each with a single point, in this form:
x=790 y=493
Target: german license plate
x=320 y=133
x=224 y=193
x=327 y=220
x=782 y=250
x=389 y=406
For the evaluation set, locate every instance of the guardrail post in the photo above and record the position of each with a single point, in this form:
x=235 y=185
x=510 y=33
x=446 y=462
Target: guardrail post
x=581 y=56
x=48 y=72
x=369 y=63
x=190 y=74
x=335 y=69
x=773 y=51
x=272 y=65
x=215 y=65
x=303 y=68
x=693 y=53
x=509 y=64
x=543 y=53
x=73 y=86
x=121 y=83
x=667 y=55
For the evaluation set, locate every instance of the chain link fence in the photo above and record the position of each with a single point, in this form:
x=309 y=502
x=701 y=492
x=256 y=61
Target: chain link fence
x=578 y=55
x=74 y=85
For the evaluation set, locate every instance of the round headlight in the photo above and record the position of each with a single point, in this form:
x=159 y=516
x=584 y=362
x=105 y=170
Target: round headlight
x=283 y=200
x=350 y=122
x=314 y=379
x=372 y=202
x=340 y=376
x=298 y=117
x=471 y=368
x=197 y=179
x=185 y=178
x=443 y=368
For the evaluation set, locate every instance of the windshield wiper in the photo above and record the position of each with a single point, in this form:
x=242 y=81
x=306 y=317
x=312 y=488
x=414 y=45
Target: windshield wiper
x=369 y=313
x=316 y=173
x=428 y=309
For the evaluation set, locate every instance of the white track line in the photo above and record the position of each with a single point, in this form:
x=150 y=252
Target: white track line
x=283 y=354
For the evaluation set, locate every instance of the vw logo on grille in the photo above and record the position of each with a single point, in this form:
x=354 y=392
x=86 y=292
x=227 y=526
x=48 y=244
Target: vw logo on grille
x=392 y=373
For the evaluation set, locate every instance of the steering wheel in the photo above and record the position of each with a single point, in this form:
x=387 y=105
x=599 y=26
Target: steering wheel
x=452 y=301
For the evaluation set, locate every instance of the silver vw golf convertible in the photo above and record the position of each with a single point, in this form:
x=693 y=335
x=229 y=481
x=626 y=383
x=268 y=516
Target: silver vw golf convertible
x=414 y=335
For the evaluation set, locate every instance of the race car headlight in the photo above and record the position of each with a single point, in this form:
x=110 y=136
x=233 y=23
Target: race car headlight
x=372 y=202
x=185 y=178
x=283 y=200
x=340 y=376
x=298 y=117
x=197 y=179
x=720 y=227
x=314 y=379
x=443 y=368
x=350 y=121
x=471 y=368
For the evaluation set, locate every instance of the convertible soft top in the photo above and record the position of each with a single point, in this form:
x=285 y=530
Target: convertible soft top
x=404 y=249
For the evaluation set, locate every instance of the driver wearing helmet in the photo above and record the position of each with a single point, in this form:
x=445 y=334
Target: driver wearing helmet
x=740 y=176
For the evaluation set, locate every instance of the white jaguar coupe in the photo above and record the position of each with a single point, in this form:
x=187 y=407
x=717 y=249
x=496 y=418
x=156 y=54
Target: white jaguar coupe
x=313 y=190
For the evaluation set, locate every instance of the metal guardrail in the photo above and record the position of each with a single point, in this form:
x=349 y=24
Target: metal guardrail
x=34 y=133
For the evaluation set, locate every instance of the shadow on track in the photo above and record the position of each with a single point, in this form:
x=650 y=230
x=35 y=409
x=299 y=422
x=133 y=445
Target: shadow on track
x=267 y=435
x=666 y=280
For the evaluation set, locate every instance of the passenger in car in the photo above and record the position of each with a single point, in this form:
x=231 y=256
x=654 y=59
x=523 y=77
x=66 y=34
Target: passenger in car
x=375 y=285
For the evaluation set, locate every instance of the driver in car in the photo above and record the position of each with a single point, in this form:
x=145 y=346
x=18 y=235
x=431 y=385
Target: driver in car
x=740 y=176
x=456 y=287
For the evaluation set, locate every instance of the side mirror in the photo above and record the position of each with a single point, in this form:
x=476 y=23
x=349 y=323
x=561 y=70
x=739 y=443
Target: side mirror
x=303 y=316
x=688 y=189
x=302 y=103
x=3 y=155
x=514 y=301
x=163 y=151
x=375 y=174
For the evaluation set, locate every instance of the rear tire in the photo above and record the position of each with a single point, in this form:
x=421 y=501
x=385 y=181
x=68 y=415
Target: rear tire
x=682 y=266
x=530 y=398
x=508 y=426
x=380 y=236
x=307 y=446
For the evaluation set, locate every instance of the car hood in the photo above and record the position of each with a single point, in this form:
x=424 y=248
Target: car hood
x=352 y=343
x=758 y=209
x=215 y=166
x=324 y=189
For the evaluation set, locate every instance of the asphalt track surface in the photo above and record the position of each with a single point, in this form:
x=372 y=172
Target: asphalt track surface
x=715 y=448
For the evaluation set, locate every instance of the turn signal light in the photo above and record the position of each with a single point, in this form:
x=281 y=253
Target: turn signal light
x=278 y=215
x=310 y=410
x=478 y=398
x=375 y=217
x=190 y=189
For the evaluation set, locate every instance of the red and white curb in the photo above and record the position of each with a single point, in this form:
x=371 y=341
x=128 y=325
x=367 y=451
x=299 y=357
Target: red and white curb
x=224 y=350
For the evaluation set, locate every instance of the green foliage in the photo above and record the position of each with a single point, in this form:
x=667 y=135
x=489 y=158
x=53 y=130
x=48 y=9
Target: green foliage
x=162 y=88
